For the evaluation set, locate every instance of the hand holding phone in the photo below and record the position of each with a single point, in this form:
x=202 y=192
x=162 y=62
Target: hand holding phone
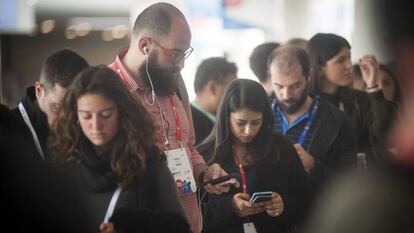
x=261 y=196
x=223 y=180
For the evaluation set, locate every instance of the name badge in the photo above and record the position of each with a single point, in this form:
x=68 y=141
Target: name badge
x=249 y=228
x=180 y=168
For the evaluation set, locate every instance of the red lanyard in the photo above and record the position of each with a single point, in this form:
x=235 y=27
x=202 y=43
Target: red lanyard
x=242 y=173
x=116 y=69
x=177 y=119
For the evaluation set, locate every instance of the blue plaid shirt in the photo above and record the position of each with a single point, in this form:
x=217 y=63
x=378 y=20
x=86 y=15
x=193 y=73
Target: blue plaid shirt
x=295 y=129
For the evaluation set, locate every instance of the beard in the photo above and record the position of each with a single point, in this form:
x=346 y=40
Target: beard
x=164 y=80
x=294 y=105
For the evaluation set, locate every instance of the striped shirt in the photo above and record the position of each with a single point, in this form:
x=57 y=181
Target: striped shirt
x=294 y=130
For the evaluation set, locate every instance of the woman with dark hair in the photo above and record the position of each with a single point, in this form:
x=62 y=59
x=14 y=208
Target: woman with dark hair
x=370 y=113
x=115 y=164
x=243 y=142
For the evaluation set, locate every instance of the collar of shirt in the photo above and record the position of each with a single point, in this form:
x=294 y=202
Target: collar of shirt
x=208 y=115
x=285 y=122
x=123 y=72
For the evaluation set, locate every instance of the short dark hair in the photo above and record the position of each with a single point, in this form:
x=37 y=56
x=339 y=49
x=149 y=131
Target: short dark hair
x=289 y=55
x=156 y=20
x=321 y=48
x=258 y=59
x=214 y=68
x=61 y=68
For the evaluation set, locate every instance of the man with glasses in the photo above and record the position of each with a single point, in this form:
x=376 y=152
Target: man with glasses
x=40 y=107
x=150 y=68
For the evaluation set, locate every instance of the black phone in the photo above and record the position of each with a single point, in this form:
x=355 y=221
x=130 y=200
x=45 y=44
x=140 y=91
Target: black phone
x=224 y=179
x=261 y=196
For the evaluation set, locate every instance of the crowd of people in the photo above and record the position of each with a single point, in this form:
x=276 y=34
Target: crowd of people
x=120 y=147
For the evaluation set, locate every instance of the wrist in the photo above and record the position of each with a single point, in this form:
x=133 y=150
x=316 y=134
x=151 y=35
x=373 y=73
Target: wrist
x=372 y=88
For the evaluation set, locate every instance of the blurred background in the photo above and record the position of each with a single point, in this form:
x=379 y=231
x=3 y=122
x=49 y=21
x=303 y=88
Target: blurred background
x=30 y=30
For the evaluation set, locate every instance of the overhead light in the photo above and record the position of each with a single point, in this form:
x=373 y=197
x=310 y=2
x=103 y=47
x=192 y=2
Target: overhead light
x=82 y=29
x=119 y=31
x=70 y=33
x=47 y=26
x=107 y=34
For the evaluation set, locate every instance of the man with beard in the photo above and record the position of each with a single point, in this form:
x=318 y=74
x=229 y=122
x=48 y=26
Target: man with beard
x=150 y=68
x=321 y=133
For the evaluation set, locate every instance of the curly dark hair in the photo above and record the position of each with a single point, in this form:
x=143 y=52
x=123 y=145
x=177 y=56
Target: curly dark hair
x=133 y=146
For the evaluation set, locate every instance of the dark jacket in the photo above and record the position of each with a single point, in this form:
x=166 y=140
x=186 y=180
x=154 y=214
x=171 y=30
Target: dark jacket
x=35 y=199
x=154 y=191
x=332 y=144
x=285 y=176
x=202 y=125
x=38 y=120
x=371 y=117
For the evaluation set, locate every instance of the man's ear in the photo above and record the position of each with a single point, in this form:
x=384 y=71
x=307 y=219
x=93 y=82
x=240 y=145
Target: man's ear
x=38 y=89
x=212 y=87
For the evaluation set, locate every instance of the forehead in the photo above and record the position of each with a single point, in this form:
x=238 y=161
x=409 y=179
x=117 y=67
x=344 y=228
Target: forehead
x=94 y=102
x=56 y=93
x=246 y=114
x=343 y=52
x=286 y=76
x=179 y=36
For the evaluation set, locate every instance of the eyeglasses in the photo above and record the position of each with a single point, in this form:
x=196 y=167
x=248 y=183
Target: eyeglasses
x=54 y=107
x=176 y=54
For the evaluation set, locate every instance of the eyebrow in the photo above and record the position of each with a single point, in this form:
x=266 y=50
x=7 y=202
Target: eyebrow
x=103 y=110
x=288 y=86
x=260 y=118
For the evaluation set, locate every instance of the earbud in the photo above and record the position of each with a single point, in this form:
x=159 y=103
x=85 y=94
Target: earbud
x=145 y=50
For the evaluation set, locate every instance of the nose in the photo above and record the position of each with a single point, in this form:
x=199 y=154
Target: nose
x=349 y=65
x=247 y=129
x=180 y=63
x=96 y=123
x=286 y=93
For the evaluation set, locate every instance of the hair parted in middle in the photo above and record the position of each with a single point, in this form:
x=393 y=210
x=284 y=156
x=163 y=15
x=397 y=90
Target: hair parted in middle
x=239 y=94
x=133 y=145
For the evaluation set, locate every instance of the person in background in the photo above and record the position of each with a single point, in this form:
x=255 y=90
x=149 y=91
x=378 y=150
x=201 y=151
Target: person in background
x=387 y=81
x=41 y=105
x=370 y=113
x=212 y=77
x=258 y=64
x=300 y=42
x=115 y=164
x=321 y=133
x=150 y=68
x=243 y=142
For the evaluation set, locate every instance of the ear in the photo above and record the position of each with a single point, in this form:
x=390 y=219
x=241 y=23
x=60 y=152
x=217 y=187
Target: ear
x=212 y=87
x=144 y=43
x=38 y=89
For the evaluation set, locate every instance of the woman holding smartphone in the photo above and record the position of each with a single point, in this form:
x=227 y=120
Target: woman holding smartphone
x=243 y=142
x=116 y=164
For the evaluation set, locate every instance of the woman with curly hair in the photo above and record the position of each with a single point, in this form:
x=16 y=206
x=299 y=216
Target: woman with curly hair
x=116 y=164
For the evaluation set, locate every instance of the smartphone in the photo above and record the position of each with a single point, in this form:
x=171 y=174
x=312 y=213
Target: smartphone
x=222 y=180
x=261 y=196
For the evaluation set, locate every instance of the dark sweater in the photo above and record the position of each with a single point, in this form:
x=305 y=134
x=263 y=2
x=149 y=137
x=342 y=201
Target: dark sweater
x=285 y=176
x=371 y=117
x=155 y=191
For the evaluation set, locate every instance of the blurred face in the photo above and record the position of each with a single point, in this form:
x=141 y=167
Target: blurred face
x=386 y=83
x=245 y=124
x=49 y=100
x=219 y=88
x=98 y=118
x=338 y=70
x=290 y=87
